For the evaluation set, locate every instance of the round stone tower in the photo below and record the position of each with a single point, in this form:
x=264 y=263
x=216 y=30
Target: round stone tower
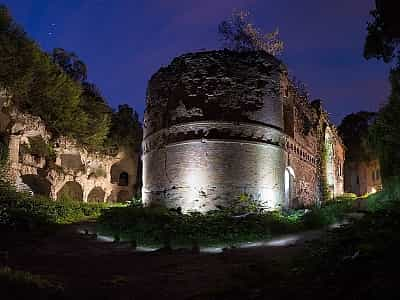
x=213 y=131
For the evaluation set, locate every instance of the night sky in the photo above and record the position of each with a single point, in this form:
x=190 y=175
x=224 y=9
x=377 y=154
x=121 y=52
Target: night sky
x=123 y=42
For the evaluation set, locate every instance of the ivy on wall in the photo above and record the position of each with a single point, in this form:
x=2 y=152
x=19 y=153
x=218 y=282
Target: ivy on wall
x=3 y=154
x=326 y=193
x=38 y=147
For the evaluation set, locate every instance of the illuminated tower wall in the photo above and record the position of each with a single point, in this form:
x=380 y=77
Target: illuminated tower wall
x=213 y=131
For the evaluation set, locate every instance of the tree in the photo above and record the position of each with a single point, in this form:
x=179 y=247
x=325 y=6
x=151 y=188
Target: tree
x=71 y=64
x=126 y=129
x=238 y=34
x=34 y=82
x=55 y=88
x=383 y=38
x=98 y=117
x=385 y=132
x=383 y=42
x=354 y=132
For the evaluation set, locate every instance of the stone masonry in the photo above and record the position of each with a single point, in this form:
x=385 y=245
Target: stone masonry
x=221 y=124
x=75 y=172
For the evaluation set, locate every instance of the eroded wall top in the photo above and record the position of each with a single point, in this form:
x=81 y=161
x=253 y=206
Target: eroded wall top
x=216 y=85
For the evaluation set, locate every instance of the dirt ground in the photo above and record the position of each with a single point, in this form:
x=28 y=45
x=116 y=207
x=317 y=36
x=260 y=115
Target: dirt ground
x=91 y=269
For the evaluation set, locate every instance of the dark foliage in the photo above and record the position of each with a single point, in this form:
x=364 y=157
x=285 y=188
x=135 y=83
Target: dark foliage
x=385 y=132
x=383 y=39
x=126 y=129
x=382 y=42
x=25 y=285
x=22 y=212
x=366 y=251
x=354 y=133
x=159 y=226
x=70 y=63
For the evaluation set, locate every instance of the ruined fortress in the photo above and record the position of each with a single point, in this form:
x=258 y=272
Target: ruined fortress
x=72 y=173
x=221 y=124
x=218 y=125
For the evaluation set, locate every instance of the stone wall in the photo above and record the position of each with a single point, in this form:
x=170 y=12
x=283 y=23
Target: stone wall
x=362 y=177
x=221 y=124
x=75 y=172
x=213 y=131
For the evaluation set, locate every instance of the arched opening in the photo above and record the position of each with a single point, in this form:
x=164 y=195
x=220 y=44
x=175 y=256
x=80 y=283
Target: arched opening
x=71 y=191
x=38 y=185
x=123 y=179
x=96 y=195
x=123 y=196
x=329 y=162
x=290 y=188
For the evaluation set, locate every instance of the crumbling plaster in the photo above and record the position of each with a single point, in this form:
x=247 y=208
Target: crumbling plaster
x=220 y=124
x=23 y=126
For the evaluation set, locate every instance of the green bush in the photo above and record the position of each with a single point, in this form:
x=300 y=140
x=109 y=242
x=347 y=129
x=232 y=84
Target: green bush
x=22 y=211
x=159 y=226
x=38 y=147
x=329 y=213
x=371 y=243
x=386 y=198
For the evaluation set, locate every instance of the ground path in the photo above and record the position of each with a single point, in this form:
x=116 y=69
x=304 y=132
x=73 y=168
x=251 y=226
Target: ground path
x=101 y=270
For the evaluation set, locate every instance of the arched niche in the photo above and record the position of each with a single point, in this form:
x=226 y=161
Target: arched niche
x=123 y=179
x=71 y=191
x=290 y=186
x=38 y=184
x=119 y=175
x=96 y=195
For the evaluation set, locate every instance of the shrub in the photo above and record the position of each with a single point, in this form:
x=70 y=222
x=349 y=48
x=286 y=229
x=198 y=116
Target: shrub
x=330 y=213
x=386 y=198
x=39 y=148
x=158 y=226
x=22 y=211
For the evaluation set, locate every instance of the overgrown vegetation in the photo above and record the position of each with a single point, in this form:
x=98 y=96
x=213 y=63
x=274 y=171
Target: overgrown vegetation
x=25 y=212
x=366 y=250
x=39 y=148
x=354 y=131
x=326 y=193
x=161 y=227
x=382 y=42
x=3 y=154
x=54 y=87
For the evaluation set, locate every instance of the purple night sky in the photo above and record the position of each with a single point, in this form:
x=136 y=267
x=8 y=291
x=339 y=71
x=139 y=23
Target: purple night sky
x=123 y=42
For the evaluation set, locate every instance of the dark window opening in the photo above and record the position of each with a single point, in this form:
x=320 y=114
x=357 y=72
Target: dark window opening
x=123 y=179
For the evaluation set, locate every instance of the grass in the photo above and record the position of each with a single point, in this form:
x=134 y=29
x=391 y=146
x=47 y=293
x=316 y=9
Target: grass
x=22 y=211
x=157 y=227
x=366 y=250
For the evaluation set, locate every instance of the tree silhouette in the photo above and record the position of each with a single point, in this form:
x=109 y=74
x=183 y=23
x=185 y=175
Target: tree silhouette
x=383 y=42
x=70 y=63
x=238 y=34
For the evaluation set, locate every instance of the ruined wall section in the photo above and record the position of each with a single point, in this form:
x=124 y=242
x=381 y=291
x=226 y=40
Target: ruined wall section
x=72 y=163
x=303 y=138
x=213 y=130
x=362 y=177
x=305 y=129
